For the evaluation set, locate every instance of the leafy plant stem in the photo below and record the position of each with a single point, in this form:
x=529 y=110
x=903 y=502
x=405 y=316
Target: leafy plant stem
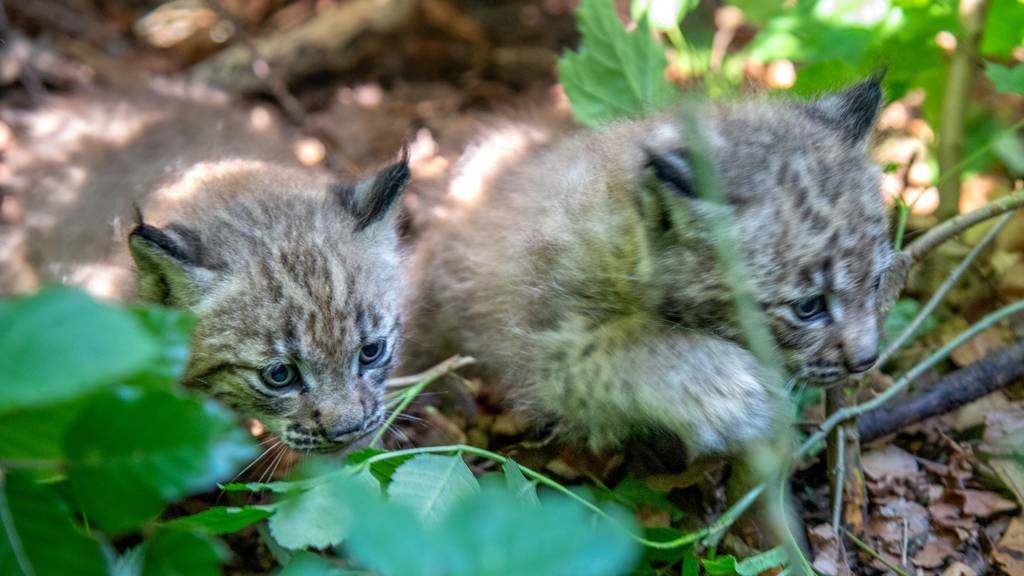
x=904 y=381
x=874 y=554
x=944 y=289
x=425 y=379
x=727 y=519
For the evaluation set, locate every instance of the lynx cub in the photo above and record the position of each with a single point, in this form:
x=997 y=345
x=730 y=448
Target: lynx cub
x=583 y=276
x=294 y=277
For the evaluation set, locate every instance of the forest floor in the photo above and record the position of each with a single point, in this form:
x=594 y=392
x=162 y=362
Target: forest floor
x=940 y=497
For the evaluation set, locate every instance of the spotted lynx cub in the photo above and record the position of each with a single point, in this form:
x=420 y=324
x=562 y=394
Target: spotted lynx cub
x=294 y=277
x=295 y=282
x=583 y=274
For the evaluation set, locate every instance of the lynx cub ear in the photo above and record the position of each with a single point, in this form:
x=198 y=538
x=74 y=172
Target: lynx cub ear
x=374 y=198
x=169 y=263
x=853 y=111
x=673 y=170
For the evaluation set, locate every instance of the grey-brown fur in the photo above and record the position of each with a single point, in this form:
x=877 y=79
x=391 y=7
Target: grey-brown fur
x=583 y=274
x=279 y=263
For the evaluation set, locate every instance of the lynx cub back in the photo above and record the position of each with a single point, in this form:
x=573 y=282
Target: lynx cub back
x=583 y=273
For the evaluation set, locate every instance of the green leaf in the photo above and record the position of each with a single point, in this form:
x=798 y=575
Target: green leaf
x=1004 y=28
x=518 y=485
x=1006 y=80
x=181 y=553
x=902 y=314
x=320 y=516
x=1010 y=149
x=132 y=451
x=721 y=566
x=171 y=330
x=309 y=564
x=61 y=344
x=36 y=433
x=614 y=73
x=498 y=536
x=430 y=484
x=383 y=470
x=36 y=533
x=222 y=519
x=757 y=564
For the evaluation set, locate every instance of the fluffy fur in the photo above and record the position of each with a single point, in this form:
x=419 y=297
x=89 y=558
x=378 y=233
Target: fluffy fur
x=582 y=271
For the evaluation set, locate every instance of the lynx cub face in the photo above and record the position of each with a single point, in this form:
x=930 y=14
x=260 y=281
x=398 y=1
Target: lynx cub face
x=582 y=271
x=804 y=202
x=296 y=286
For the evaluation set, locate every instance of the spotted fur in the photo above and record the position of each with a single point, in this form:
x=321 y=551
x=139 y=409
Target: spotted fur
x=583 y=274
x=280 y=265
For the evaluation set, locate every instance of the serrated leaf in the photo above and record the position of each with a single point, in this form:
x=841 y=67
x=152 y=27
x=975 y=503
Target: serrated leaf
x=131 y=452
x=614 y=73
x=36 y=533
x=61 y=344
x=179 y=552
x=222 y=519
x=1006 y=80
x=431 y=484
x=517 y=484
x=383 y=470
x=320 y=516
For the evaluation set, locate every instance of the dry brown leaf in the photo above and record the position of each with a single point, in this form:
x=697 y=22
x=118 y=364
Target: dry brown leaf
x=888 y=524
x=934 y=552
x=828 y=559
x=983 y=504
x=980 y=346
x=889 y=462
x=959 y=569
x=1009 y=553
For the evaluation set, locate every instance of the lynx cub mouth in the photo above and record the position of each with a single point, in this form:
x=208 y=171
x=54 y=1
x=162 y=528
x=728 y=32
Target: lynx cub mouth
x=584 y=277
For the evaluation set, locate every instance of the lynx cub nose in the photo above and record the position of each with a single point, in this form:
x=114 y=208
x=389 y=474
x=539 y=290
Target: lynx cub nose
x=862 y=362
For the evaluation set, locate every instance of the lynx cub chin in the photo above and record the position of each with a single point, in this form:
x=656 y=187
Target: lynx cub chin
x=582 y=272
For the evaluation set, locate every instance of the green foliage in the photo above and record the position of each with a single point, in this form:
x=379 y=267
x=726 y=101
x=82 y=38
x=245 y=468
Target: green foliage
x=1008 y=80
x=614 y=73
x=431 y=484
x=730 y=566
x=662 y=14
x=222 y=519
x=93 y=428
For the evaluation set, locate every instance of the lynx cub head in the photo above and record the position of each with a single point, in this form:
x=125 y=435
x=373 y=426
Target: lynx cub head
x=805 y=204
x=295 y=283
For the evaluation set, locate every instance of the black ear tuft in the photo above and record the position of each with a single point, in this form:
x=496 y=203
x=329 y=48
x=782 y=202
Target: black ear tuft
x=374 y=198
x=854 y=110
x=673 y=170
x=166 y=260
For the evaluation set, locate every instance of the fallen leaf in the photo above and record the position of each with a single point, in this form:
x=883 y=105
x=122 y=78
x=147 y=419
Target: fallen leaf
x=1009 y=553
x=934 y=553
x=983 y=504
x=889 y=462
x=829 y=559
x=959 y=569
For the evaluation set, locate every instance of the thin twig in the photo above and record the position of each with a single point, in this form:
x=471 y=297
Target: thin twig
x=840 y=474
x=944 y=289
x=925 y=243
x=874 y=553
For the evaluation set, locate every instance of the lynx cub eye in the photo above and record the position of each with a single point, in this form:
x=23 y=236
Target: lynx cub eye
x=809 y=308
x=279 y=375
x=372 y=353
